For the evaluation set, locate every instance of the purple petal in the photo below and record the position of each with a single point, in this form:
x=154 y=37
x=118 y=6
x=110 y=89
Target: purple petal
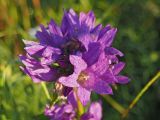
x=78 y=62
x=54 y=28
x=47 y=38
x=113 y=51
x=29 y=43
x=85 y=38
x=50 y=55
x=108 y=37
x=96 y=110
x=37 y=70
x=87 y=116
x=64 y=25
x=41 y=74
x=109 y=77
x=36 y=80
x=118 y=67
x=58 y=41
x=101 y=65
x=45 y=74
x=95 y=32
x=60 y=112
x=66 y=90
x=70 y=81
x=122 y=79
x=102 y=88
x=92 y=55
x=68 y=108
x=73 y=17
x=44 y=36
x=87 y=20
x=70 y=22
x=95 y=83
x=35 y=49
x=30 y=62
x=84 y=95
x=72 y=99
x=103 y=31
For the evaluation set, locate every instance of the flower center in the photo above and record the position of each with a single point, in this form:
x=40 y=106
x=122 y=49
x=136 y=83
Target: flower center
x=63 y=66
x=83 y=77
x=72 y=46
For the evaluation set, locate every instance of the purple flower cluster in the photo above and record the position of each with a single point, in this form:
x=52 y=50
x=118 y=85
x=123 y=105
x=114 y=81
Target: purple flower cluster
x=77 y=54
x=67 y=112
x=60 y=112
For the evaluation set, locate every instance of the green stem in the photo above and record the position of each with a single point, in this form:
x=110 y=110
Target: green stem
x=114 y=104
x=146 y=87
x=80 y=107
x=46 y=91
x=79 y=104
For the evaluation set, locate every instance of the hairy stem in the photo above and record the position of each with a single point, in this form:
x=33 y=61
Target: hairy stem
x=114 y=104
x=140 y=94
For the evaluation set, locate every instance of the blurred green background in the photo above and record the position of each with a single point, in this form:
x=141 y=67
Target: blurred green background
x=138 y=23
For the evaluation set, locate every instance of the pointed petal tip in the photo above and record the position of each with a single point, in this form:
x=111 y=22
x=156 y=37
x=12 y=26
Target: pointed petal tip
x=115 y=30
x=71 y=10
x=108 y=25
x=21 y=56
x=91 y=13
x=122 y=79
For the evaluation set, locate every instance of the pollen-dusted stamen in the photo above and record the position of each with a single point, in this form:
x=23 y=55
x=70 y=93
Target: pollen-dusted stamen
x=59 y=88
x=83 y=77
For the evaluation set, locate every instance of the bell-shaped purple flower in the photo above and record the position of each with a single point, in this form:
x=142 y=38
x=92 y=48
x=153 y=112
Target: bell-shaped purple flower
x=98 y=67
x=66 y=111
x=88 y=79
x=37 y=71
x=94 y=112
x=60 y=112
x=77 y=54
